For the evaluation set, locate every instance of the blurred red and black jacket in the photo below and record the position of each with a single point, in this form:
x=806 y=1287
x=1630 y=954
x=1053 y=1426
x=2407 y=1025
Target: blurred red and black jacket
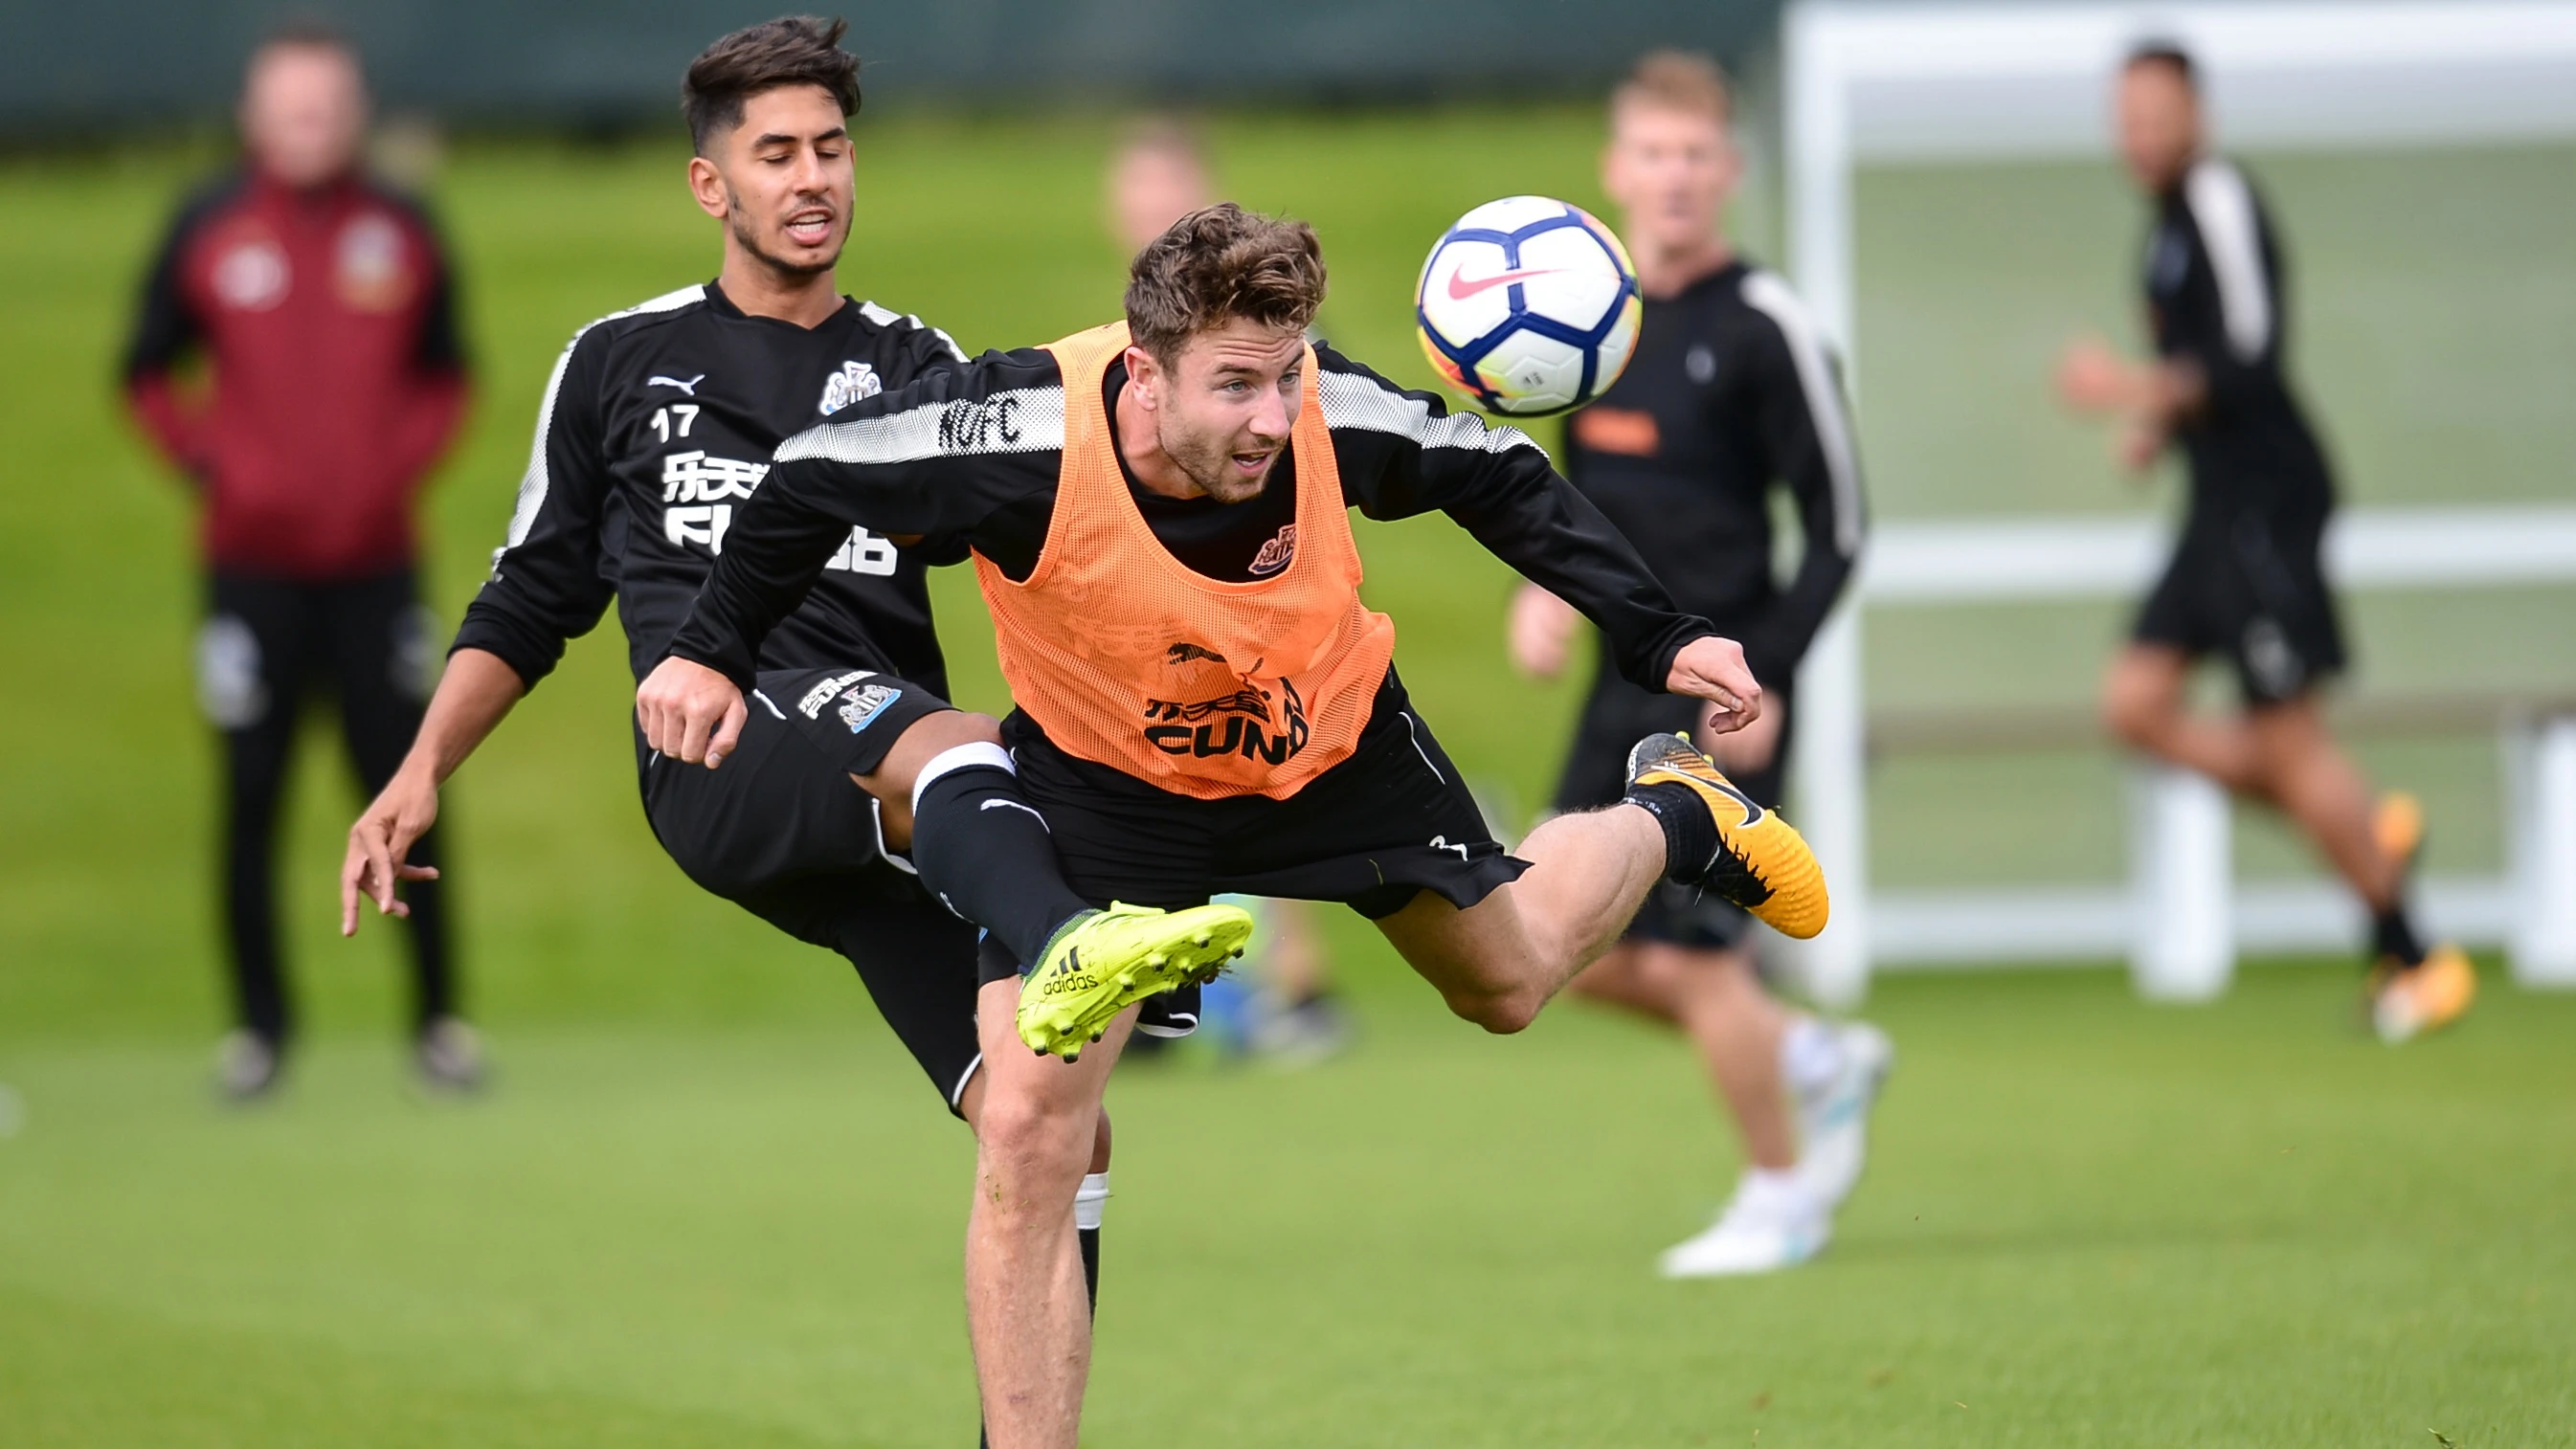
x=327 y=325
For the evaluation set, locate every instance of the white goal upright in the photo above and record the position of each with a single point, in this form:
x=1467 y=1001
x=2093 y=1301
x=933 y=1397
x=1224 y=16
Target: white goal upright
x=1900 y=83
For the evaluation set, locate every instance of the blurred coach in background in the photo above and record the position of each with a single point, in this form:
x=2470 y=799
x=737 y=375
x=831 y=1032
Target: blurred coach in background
x=297 y=358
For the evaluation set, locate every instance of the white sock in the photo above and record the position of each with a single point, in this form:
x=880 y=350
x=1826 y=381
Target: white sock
x=1090 y=1200
x=1810 y=1055
x=1779 y=1189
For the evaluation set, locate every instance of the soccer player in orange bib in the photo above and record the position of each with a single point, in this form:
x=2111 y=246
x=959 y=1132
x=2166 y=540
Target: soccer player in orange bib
x=1158 y=514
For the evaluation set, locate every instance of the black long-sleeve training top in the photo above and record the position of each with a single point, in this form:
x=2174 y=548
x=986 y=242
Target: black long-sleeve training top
x=2214 y=299
x=656 y=427
x=971 y=456
x=1732 y=392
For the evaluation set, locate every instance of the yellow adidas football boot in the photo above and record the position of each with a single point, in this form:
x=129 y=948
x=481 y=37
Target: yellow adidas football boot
x=2405 y=1003
x=1762 y=863
x=1110 y=960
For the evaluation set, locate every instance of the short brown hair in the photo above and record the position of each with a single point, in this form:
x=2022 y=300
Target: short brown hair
x=1676 y=80
x=1219 y=263
x=793 y=50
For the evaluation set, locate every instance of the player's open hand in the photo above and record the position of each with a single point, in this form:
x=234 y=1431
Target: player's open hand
x=2092 y=378
x=1713 y=669
x=377 y=844
x=1542 y=632
x=690 y=713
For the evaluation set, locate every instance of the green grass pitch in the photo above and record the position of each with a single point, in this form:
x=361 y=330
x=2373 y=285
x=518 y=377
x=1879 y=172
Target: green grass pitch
x=711 y=1202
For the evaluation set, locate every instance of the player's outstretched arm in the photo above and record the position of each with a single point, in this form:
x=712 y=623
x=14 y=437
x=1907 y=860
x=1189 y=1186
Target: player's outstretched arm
x=901 y=465
x=474 y=694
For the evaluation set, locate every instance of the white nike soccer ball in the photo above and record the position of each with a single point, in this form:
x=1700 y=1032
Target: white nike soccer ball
x=1528 y=306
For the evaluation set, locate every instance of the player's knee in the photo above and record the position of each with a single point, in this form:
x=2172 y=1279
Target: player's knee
x=1032 y=1130
x=2130 y=713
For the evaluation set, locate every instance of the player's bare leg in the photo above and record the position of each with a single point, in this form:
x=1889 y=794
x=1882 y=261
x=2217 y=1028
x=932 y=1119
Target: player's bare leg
x=2144 y=703
x=1717 y=1000
x=1027 y=1313
x=2282 y=754
x=2308 y=775
x=1715 y=996
x=1497 y=962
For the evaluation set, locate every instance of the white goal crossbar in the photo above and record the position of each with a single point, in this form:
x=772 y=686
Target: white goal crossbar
x=1910 y=83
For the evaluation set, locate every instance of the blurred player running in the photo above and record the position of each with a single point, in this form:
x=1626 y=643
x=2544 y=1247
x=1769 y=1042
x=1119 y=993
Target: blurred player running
x=651 y=435
x=1205 y=705
x=1731 y=393
x=2246 y=580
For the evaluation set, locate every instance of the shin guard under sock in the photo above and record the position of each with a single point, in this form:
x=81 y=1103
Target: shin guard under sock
x=985 y=851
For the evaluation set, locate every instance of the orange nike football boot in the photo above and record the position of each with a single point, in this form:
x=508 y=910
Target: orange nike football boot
x=1762 y=863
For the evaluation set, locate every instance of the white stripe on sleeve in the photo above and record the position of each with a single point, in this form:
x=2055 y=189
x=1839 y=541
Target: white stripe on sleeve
x=1767 y=294
x=1018 y=420
x=2222 y=206
x=1352 y=400
x=534 y=483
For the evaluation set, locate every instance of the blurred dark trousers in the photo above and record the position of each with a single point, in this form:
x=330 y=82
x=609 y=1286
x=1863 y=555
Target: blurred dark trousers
x=268 y=645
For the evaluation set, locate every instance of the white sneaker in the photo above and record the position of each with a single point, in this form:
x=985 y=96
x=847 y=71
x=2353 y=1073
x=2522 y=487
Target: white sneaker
x=1833 y=1118
x=246 y=1066
x=449 y=1054
x=1764 y=1228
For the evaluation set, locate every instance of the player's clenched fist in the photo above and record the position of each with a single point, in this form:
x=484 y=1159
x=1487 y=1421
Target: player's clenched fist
x=690 y=712
x=1713 y=669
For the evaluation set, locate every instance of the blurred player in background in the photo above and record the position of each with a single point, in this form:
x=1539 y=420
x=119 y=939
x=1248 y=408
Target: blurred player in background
x=1158 y=174
x=2246 y=580
x=1731 y=394
x=319 y=306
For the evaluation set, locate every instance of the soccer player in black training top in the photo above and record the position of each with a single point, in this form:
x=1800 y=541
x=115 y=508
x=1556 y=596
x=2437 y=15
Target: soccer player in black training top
x=1730 y=395
x=2246 y=581
x=655 y=428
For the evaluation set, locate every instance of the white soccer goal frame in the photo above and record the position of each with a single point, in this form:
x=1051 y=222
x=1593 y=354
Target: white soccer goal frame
x=1923 y=83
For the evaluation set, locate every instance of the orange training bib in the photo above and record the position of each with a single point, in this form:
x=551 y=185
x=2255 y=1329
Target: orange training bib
x=1129 y=658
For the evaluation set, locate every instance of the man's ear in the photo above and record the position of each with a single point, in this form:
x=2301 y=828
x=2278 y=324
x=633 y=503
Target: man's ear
x=706 y=186
x=1144 y=376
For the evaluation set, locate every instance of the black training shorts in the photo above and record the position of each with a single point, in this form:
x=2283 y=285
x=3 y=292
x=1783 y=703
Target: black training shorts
x=1615 y=717
x=2252 y=588
x=1372 y=832
x=782 y=831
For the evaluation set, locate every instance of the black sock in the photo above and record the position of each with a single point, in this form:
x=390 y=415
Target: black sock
x=986 y=852
x=1090 y=1240
x=2392 y=935
x=1690 y=835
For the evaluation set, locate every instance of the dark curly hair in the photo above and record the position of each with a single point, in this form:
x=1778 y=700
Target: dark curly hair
x=793 y=50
